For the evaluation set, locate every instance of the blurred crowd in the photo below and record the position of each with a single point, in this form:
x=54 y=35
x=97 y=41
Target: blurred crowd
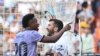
x=87 y=26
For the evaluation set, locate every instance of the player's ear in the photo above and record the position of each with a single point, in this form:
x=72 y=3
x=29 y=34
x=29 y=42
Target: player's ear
x=55 y=29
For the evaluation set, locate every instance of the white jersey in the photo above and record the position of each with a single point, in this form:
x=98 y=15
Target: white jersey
x=61 y=46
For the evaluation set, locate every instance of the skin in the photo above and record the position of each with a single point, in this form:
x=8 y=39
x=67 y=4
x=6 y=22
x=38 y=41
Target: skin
x=52 y=29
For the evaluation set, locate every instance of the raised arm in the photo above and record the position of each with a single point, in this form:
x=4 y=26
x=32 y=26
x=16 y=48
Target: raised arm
x=54 y=38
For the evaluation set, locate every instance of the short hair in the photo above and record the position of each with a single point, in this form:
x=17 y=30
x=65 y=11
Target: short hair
x=85 y=4
x=26 y=19
x=58 y=23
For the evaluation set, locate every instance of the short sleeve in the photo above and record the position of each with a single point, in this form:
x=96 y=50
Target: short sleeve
x=36 y=37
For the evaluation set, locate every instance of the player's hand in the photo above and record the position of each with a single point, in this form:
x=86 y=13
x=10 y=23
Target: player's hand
x=67 y=27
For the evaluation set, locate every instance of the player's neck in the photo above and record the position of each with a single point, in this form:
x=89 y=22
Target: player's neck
x=28 y=28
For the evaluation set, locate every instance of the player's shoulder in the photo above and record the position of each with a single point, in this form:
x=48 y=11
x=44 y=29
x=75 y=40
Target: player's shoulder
x=34 y=32
x=27 y=32
x=65 y=34
x=19 y=33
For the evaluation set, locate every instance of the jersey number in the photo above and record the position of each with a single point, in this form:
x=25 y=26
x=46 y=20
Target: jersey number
x=21 y=50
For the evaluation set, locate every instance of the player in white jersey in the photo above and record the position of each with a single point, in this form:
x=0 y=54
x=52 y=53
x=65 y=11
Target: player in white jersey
x=60 y=47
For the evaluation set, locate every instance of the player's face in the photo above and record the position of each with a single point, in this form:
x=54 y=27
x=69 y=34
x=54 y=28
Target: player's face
x=34 y=24
x=51 y=27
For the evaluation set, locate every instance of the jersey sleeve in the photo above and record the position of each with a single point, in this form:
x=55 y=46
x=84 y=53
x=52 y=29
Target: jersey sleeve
x=36 y=37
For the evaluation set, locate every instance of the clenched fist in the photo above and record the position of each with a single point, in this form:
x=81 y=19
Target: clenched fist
x=67 y=27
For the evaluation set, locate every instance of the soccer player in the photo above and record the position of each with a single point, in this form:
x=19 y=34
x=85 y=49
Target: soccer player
x=26 y=41
x=61 y=46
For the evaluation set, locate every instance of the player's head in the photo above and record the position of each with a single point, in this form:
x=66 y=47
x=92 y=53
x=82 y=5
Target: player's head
x=54 y=25
x=29 y=21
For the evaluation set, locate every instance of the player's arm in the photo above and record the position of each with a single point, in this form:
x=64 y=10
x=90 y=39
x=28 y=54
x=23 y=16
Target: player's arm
x=54 y=38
